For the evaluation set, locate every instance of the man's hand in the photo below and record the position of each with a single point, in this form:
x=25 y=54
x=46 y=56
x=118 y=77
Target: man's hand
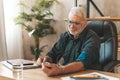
x=51 y=69
x=44 y=59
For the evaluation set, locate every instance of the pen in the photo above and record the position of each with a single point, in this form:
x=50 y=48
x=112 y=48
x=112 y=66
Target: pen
x=86 y=76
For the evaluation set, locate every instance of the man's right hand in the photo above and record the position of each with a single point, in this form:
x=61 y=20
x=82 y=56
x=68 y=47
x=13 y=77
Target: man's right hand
x=44 y=59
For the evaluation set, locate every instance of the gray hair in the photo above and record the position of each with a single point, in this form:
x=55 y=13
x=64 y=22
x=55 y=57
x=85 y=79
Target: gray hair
x=78 y=11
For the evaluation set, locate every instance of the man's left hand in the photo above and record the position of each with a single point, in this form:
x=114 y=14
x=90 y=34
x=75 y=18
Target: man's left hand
x=51 y=69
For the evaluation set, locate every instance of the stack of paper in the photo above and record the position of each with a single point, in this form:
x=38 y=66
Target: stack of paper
x=90 y=76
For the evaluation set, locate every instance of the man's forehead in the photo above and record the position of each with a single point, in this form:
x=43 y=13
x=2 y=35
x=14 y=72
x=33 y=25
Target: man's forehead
x=75 y=18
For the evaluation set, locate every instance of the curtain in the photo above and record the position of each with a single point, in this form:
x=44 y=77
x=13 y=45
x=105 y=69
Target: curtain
x=13 y=33
x=3 y=47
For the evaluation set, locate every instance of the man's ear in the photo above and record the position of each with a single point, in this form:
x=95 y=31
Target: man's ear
x=85 y=23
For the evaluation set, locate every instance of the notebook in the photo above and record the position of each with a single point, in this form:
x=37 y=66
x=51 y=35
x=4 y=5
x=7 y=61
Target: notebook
x=15 y=62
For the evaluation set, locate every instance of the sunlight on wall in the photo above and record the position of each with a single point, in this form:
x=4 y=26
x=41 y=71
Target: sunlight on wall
x=13 y=32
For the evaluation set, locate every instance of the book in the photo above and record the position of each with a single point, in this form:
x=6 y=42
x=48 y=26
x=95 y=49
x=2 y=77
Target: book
x=11 y=64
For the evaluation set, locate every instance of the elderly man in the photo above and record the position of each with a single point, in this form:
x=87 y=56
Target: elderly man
x=76 y=50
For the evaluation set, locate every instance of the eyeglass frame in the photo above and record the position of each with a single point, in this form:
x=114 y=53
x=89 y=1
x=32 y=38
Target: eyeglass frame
x=72 y=22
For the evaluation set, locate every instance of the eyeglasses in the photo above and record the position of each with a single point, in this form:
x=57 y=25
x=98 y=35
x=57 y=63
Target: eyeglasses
x=72 y=22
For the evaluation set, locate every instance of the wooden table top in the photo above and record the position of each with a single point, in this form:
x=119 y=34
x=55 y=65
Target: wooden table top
x=38 y=74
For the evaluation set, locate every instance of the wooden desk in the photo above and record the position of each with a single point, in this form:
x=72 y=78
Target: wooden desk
x=38 y=74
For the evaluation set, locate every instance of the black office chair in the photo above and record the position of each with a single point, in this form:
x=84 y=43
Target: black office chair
x=107 y=32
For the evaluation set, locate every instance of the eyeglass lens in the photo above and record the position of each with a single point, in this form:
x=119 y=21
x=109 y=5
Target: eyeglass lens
x=71 y=22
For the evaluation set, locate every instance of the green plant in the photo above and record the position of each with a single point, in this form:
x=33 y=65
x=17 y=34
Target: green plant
x=37 y=22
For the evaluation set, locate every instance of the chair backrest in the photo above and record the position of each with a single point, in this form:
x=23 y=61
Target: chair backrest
x=107 y=32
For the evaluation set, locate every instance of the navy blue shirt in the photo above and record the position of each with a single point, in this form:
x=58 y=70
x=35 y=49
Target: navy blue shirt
x=85 y=49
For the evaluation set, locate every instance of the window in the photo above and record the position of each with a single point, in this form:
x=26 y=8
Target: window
x=13 y=32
